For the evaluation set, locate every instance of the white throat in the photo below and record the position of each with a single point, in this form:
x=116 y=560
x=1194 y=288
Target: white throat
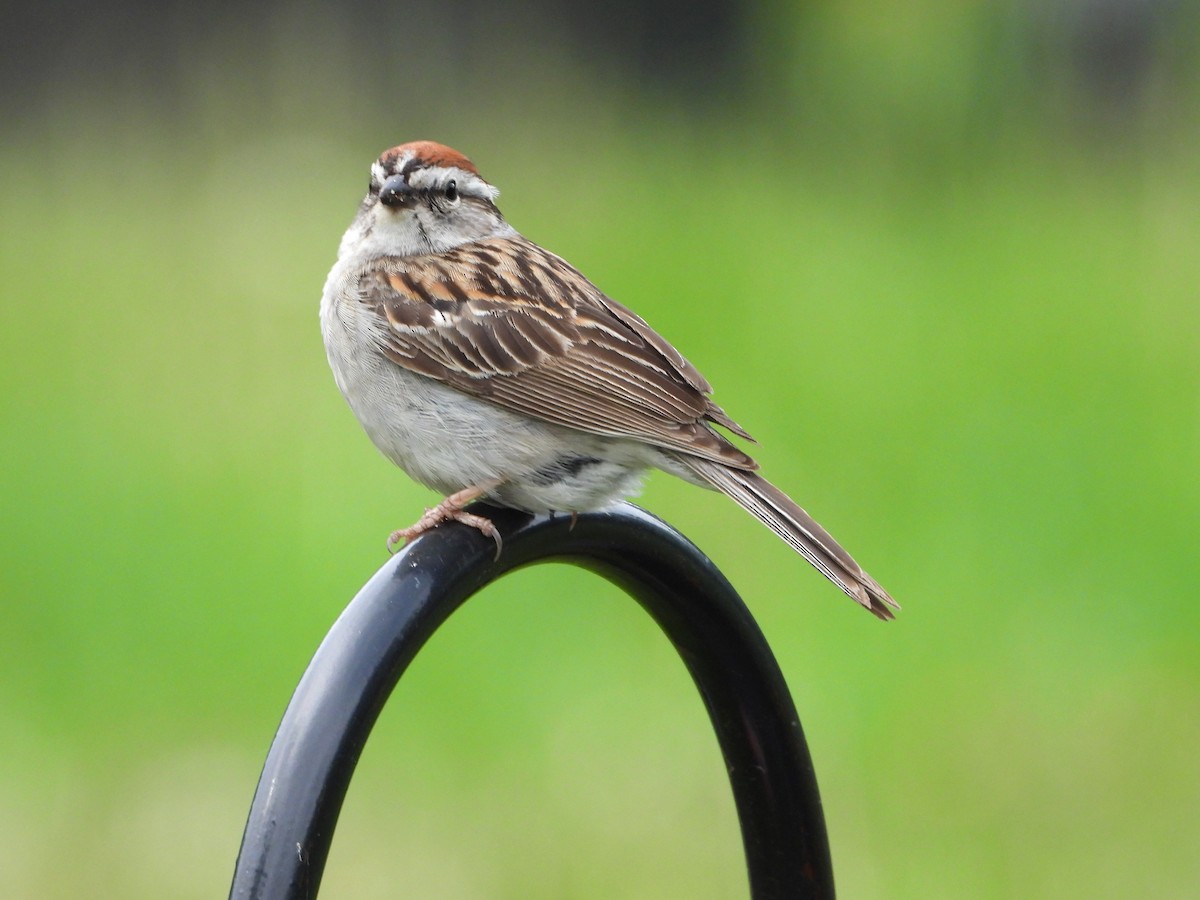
x=378 y=231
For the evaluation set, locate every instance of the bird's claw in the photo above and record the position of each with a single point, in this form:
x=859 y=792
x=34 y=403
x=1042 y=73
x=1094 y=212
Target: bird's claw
x=449 y=510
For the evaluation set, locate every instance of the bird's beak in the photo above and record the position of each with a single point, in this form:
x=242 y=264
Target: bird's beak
x=395 y=191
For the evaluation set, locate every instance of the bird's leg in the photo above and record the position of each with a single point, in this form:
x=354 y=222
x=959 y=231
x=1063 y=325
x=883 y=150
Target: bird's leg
x=451 y=509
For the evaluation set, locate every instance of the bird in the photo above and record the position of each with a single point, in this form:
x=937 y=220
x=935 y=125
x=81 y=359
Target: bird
x=488 y=368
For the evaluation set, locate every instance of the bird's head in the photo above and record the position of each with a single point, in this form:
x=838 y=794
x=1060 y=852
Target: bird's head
x=425 y=197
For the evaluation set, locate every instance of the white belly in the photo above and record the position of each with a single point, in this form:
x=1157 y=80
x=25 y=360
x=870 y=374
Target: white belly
x=447 y=440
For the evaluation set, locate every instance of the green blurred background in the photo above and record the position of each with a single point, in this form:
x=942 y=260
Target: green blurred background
x=941 y=261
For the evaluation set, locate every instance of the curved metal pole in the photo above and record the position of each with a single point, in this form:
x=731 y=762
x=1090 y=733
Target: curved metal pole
x=325 y=727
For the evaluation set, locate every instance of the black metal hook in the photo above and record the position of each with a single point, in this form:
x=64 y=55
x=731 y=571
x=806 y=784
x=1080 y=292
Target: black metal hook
x=325 y=727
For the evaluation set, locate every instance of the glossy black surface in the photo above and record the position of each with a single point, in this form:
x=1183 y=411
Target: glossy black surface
x=316 y=748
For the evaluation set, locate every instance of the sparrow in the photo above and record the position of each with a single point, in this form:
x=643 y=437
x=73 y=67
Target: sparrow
x=487 y=367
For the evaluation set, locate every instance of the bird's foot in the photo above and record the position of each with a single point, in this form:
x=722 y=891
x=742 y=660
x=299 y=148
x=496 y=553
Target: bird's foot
x=450 y=510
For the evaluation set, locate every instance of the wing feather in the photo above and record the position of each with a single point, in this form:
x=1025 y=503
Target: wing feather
x=508 y=322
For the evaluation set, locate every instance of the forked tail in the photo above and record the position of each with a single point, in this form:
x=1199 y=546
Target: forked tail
x=778 y=512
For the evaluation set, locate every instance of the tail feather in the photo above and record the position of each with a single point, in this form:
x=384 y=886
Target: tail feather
x=778 y=512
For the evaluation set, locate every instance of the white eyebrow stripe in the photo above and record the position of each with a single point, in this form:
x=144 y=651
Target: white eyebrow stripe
x=469 y=184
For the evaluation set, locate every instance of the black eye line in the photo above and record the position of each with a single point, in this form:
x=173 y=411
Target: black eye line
x=439 y=197
x=435 y=197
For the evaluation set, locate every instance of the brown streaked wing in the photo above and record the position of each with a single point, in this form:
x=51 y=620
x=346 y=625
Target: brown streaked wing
x=508 y=322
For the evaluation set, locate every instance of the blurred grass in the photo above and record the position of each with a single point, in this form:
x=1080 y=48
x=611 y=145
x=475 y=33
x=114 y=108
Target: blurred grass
x=977 y=368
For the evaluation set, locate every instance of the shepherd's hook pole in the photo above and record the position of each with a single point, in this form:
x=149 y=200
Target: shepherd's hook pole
x=316 y=748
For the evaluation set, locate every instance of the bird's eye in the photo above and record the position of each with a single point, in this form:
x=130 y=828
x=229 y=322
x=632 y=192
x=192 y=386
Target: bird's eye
x=452 y=191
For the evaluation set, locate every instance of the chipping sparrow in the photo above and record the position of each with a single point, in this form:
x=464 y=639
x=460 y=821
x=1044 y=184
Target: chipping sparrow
x=487 y=367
